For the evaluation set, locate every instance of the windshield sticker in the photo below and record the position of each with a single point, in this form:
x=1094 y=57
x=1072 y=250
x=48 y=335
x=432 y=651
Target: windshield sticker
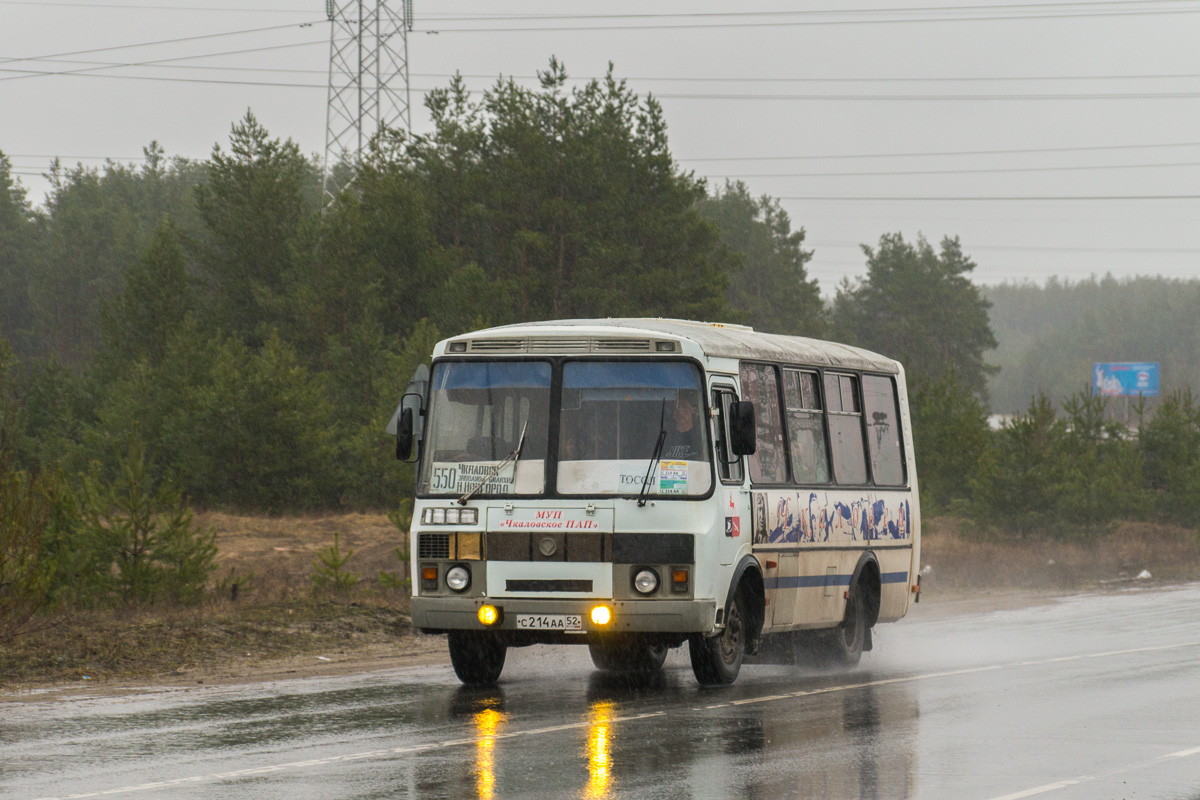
x=672 y=477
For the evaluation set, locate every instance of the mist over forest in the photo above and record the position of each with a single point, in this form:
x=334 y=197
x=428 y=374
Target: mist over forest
x=1050 y=335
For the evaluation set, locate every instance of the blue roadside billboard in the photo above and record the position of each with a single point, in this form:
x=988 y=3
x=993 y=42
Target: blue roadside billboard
x=1125 y=379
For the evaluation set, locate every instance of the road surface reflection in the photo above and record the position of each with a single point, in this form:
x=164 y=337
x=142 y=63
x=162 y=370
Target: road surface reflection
x=849 y=743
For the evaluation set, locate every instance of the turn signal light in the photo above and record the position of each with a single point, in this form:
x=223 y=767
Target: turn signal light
x=601 y=615
x=679 y=580
x=489 y=615
x=429 y=578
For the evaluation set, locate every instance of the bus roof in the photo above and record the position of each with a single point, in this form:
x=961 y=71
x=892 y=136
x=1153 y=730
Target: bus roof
x=713 y=338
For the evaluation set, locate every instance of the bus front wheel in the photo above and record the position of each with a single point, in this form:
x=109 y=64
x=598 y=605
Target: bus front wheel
x=478 y=657
x=716 y=661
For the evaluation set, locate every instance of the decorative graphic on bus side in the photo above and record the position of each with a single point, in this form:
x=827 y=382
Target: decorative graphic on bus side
x=808 y=517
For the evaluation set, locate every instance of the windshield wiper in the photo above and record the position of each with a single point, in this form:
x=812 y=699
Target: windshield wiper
x=658 y=446
x=513 y=457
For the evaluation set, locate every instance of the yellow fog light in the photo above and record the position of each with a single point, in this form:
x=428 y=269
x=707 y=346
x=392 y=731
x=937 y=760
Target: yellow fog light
x=489 y=615
x=601 y=615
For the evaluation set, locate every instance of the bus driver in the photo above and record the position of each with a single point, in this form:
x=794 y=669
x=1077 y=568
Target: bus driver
x=684 y=440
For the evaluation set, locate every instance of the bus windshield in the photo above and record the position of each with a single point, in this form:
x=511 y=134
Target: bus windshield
x=477 y=412
x=612 y=414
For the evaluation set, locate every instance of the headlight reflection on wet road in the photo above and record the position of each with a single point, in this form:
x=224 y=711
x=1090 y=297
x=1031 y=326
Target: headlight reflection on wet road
x=599 y=749
x=488 y=722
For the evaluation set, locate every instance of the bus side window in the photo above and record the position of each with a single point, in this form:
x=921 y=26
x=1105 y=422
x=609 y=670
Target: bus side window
x=728 y=467
x=845 y=428
x=883 y=430
x=805 y=427
x=761 y=387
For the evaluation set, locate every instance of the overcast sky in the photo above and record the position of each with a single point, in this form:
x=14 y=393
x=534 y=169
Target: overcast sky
x=1054 y=138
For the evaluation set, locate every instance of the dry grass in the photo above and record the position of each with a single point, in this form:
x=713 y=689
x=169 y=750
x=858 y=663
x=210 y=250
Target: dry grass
x=278 y=615
x=962 y=563
x=161 y=642
x=281 y=551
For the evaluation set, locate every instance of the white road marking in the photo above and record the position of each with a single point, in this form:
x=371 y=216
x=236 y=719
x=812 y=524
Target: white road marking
x=296 y=765
x=1049 y=787
x=1195 y=751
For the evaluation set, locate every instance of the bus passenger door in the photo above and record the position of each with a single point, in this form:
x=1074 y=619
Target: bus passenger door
x=731 y=475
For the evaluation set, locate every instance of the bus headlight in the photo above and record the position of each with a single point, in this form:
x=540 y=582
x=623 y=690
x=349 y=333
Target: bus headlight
x=601 y=615
x=458 y=578
x=646 y=581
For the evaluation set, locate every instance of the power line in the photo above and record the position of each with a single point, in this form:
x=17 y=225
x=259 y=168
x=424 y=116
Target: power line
x=673 y=79
x=965 y=171
x=939 y=9
x=1121 y=5
x=160 y=42
x=159 y=78
x=822 y=23
x=995 y=198
x=1076 y=148
x=804 y=175
x=91 y=72
x=1037 y=248
x=956 y=98
x=105 y=6
x=80 y=158
x=886 y=79
x=161 y=64
x=154 y=62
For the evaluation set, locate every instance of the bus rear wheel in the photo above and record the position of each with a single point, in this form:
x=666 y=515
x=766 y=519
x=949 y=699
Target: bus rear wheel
x=636 y=655
x=477 y=656
x=844 y=645
x=716 y=661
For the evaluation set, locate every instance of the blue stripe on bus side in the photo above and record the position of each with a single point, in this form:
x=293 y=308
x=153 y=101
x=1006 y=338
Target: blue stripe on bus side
x=810 y=581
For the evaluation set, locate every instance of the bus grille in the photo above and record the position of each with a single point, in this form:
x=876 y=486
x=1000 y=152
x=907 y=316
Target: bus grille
x=433 y=545
x=497 y=346
x=561 y=344
x=623 y=345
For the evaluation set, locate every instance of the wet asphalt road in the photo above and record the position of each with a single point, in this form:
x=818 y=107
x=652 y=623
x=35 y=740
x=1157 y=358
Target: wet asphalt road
x=1095 y=696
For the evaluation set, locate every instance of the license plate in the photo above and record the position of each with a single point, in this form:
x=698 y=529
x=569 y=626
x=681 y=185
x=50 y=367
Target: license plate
x=550 y=622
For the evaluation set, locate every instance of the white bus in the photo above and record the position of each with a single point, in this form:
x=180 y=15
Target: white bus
x=638 y=484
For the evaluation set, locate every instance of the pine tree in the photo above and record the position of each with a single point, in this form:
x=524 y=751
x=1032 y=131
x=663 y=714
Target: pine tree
x=920 y=308
x=771 y=291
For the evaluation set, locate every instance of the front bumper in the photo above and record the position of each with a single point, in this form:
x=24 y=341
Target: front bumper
x=439 y=614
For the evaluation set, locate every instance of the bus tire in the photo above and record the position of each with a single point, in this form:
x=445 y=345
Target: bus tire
x=477 y=656
x=717 y=660
x=637 y=655
x=844 y=645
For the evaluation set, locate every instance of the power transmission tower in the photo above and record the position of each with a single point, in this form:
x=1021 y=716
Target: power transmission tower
x=368 y=78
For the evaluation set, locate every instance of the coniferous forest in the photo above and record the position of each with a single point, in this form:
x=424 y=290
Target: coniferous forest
x=222 y=334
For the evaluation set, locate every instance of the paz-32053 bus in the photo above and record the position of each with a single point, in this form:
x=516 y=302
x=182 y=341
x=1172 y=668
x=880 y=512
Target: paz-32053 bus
x=637 y=484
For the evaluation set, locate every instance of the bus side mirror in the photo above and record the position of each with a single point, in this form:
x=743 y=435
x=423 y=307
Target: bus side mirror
x=404 y=435
x=406 y=425
x=742 y=439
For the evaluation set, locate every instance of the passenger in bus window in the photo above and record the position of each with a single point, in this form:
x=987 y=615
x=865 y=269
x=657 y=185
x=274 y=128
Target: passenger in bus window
x=684 y=441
